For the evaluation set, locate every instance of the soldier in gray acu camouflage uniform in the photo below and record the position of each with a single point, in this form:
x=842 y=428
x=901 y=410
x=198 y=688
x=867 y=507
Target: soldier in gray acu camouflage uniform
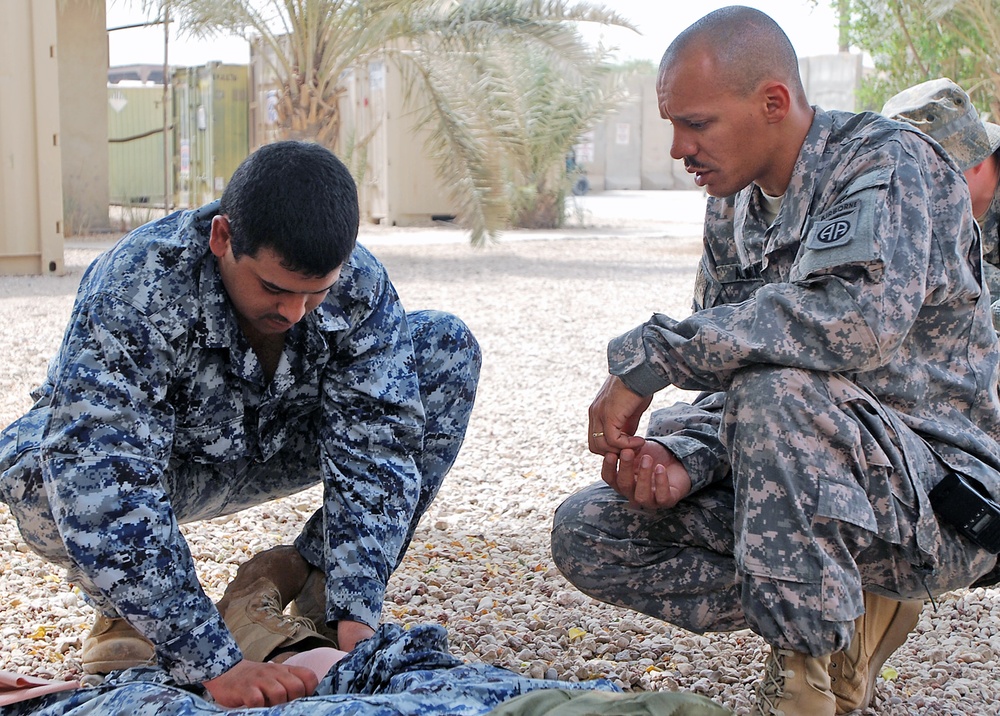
x=219 y=358
x=844 y=346
x=943 y=110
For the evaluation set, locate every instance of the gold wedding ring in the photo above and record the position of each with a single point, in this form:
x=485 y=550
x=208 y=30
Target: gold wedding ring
x=598 y=435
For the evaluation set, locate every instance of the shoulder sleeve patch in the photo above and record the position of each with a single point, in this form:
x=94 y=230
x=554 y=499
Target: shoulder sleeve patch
x=844 y=234
x=835 y=227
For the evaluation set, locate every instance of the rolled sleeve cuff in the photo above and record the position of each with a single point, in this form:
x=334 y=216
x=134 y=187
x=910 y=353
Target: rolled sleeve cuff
x=702 y=464
x=205 y=652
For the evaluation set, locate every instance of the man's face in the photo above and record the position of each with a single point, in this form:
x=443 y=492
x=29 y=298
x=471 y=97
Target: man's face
x=719 y=134
x=983 y=179
x=268 y=298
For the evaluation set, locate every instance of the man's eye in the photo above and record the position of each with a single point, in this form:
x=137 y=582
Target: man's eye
x=271 y=289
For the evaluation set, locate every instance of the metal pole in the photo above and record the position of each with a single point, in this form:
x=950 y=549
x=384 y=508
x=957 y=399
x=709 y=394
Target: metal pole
x=166 y=116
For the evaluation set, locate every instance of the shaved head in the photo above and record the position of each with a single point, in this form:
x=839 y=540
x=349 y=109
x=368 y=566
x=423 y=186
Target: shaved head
x=732 y=77
x=747 y=47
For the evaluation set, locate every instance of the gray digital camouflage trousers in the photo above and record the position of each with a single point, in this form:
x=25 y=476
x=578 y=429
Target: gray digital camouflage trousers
x=447 y=364
x=826 y=497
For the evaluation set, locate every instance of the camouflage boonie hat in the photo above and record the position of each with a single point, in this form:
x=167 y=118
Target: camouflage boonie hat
x=993 y=132
x=943 y=110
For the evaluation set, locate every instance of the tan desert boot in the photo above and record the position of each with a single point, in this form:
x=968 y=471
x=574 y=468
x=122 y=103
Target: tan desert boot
x=113 y=644
x=795 y=684
x=254 y=615
x=877 y=634
x=311 y=603
x=253 y=609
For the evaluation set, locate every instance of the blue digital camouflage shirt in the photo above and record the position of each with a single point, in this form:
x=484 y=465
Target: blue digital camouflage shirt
x=154 y=376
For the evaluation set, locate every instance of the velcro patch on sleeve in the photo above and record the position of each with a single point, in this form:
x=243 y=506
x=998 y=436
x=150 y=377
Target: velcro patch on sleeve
x=835 y=227
x=844 y=234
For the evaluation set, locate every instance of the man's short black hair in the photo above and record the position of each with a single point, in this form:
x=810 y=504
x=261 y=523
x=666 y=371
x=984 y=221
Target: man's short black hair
x=296 y=199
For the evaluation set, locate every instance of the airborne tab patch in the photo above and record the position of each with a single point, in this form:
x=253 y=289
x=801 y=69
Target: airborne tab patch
x=835 y=227
x=844 y=235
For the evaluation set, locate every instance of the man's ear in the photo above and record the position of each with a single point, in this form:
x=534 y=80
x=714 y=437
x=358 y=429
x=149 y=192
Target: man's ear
x=777 y=101
x=220 y=238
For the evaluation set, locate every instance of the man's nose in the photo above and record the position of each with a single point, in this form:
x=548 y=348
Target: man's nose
x=681 y=147
x=293 y=307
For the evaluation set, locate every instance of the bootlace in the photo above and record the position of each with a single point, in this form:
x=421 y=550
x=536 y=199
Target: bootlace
x=269 y=603
x=772 y=686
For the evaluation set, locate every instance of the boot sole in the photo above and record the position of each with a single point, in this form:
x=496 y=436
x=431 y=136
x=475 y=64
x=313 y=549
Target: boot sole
x=106 y=667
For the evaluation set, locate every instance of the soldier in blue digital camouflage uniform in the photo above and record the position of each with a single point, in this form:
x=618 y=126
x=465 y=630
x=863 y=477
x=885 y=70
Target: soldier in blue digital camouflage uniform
x=217 y=359
x=843 y=342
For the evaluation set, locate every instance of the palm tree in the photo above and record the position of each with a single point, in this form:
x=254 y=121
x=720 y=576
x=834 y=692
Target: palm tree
x=915 y=40
x=977 y=23
x=505 y=87
x=504 y=108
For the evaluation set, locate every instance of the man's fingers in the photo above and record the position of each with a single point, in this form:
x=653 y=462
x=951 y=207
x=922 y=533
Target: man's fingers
x=306 y=681
x=644 y=481
x=255 y=684
x=616 y=470
x=293 y=682
x=613 y=440
x=652 y=487
x=665 y=495
x=609 y=470
x=597 y=443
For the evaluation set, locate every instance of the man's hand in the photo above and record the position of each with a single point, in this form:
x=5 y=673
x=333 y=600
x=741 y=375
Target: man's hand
x=350 y=633
x=614 y=418
x=651 y=477
x=253 y=684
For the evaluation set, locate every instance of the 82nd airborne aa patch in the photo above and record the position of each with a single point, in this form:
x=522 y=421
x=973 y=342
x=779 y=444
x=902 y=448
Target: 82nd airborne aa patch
x=835 y=227
x=844 y=234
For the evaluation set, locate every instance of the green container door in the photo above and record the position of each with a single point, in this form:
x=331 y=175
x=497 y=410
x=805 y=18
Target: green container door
x=135 y=146
x=211 y=129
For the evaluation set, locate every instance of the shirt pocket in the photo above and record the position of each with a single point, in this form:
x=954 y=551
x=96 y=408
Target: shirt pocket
x=222 y=440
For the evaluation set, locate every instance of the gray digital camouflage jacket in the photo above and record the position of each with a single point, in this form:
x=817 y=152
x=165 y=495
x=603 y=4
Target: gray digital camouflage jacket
x=990 y=225
x=872 y=269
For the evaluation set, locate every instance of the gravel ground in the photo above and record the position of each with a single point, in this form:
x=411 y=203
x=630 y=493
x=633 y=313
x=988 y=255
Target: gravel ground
x=543 y=306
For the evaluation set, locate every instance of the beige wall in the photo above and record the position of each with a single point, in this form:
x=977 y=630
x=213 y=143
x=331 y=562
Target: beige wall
x=630 y=149
x=83 y=79
x=31 y=229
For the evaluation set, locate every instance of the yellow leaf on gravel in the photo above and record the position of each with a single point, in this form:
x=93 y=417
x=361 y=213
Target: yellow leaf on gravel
x=40 y=632
x=576 y=633
x=890 y=674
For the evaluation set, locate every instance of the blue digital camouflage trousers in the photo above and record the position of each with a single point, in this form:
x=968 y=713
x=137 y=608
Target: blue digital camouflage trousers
x=826 y=497
x=447 y=365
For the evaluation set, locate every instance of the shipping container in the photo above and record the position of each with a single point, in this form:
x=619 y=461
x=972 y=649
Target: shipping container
x=211 y=129
x=31 y=204
x=136 y=175
x=397 y=181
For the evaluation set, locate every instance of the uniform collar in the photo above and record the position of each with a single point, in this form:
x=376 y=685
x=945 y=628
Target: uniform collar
x=794 y=214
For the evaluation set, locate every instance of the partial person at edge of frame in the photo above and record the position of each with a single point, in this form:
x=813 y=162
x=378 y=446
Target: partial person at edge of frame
x=942 y=109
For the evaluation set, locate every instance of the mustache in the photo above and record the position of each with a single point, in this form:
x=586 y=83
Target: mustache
x=691 y=164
